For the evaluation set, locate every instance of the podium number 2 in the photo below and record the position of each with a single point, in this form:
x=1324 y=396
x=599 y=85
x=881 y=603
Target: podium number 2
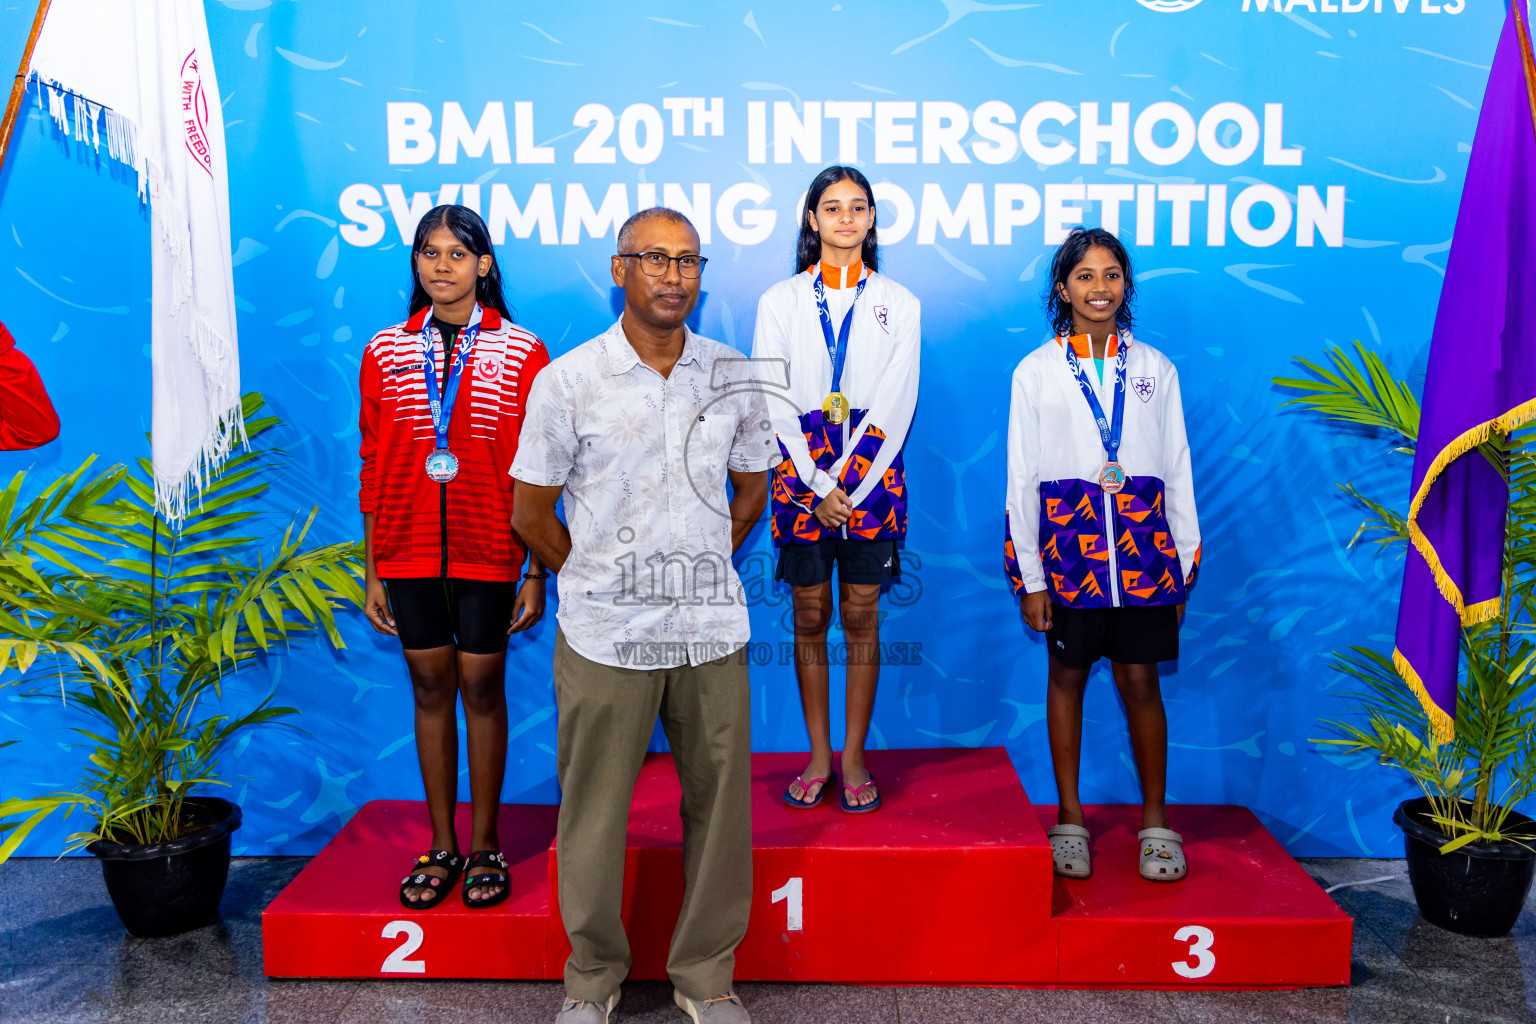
x=790 y=893
x=1200 y=940
x=396 y=962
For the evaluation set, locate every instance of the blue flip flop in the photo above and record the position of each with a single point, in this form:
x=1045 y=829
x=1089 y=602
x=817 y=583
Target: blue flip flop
x=805 y=784
x=868 y=808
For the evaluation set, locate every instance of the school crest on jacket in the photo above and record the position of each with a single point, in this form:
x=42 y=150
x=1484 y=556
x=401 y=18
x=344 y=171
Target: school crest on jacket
x=1063 y=532
x=862 y=455
x=464 y=528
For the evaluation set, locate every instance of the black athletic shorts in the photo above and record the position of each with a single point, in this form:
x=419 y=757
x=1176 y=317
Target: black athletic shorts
x=434 y=612
x=858 y=561
x=1134 y=635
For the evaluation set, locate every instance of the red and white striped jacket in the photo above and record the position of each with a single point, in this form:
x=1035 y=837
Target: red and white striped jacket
x=27 y=419
x=461 y=529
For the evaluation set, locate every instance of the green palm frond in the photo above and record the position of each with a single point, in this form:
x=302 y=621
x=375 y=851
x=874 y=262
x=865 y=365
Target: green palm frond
x=1473 y=781
x=137 y=627
x=1383 y=526
x=1364 y=395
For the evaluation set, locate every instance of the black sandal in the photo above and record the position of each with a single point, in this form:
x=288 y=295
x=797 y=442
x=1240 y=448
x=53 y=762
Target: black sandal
x=438 y=887
x=490 y=859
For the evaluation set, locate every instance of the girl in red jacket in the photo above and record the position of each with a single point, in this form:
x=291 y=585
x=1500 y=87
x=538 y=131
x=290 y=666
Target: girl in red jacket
x=442 y=405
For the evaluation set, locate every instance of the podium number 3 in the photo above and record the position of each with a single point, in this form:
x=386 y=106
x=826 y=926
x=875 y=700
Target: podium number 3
x=1200 y=941
x=396 y=962
x=790 y=893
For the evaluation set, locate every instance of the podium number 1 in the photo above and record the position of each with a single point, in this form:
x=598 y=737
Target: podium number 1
x=790 y=894
x=396 y=962
x=1200 y=940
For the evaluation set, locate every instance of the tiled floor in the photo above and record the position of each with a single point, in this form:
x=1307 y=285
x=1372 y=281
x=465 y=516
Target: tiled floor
x=64 y=958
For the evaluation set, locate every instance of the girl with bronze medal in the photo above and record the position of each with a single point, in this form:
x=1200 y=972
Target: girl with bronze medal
x=1103 y=539
x=848 y=340
x=441 y=411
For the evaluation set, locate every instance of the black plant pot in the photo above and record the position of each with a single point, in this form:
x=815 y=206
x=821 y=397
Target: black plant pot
x=167 y=888
x=1478 y=889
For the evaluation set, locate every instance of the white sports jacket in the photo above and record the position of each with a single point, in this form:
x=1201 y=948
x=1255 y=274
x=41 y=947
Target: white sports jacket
x=880 y=372
x=1059 y=525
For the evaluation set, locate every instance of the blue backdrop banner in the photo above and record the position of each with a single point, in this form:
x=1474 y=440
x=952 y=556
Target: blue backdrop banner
x=1286 y=175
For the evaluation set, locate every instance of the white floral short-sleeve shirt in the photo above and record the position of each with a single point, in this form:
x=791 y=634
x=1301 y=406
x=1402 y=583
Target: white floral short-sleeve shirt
x=644 y=460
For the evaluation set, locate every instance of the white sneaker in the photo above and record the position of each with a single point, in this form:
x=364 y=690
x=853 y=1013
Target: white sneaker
x=576 y=1011
x=726 y=1009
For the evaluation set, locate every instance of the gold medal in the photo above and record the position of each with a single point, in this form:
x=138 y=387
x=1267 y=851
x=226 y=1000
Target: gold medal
x=835 y=408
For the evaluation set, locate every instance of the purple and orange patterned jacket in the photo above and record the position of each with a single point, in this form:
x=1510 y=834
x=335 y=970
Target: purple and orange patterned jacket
x=862 y=455
x=1062 y=531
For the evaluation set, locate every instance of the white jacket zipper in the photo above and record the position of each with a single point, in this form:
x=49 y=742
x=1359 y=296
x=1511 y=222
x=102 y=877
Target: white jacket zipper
x=1109 y=536
x=1107 y=402
x=846 y=455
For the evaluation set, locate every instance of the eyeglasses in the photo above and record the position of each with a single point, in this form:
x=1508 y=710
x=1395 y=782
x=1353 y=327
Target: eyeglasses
x=655 y=263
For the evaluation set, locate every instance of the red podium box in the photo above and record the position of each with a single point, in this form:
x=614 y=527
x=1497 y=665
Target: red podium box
x=950 y=883
x=341 y=917
x=1247 y=916
x=932 y=888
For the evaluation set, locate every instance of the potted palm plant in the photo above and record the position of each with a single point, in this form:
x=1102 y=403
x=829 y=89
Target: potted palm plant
x=136 y=627
x=1471 y=854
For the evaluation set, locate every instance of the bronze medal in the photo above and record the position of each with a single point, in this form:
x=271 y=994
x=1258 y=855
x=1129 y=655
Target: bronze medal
x=1112 y=478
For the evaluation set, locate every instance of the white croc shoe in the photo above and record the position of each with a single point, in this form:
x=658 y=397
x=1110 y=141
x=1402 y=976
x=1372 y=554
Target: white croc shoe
x=1069 y=851
x=1162 y=855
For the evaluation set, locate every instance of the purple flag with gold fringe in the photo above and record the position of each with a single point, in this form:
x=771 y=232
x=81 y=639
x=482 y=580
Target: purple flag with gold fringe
x=1481 y=380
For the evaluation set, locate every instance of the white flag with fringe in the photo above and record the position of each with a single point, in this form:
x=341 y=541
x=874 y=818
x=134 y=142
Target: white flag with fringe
x=137 y=76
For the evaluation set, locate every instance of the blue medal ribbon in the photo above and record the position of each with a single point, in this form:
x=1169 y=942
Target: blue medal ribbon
x=837 y=348
x=442 y=408
x=1109 y=431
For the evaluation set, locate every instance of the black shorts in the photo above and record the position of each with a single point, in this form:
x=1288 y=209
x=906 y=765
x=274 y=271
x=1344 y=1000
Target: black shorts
x=434 y=612
x=1134 y=635
x=858 y=561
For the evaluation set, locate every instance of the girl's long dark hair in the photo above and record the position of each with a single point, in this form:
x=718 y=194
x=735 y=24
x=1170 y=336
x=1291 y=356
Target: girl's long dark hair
x=808 y=247
x=1071 y=253
x=472 y=233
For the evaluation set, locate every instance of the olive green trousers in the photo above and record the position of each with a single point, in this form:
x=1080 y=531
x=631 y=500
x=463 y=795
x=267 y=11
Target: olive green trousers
x=607 y=717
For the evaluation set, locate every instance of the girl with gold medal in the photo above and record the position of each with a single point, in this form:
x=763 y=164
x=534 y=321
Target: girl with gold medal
x=844 y=342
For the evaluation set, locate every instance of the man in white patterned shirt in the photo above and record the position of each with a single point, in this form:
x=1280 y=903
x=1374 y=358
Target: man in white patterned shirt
x=640 y=428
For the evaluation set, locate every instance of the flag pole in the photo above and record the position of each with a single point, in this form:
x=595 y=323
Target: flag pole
x=19 y=89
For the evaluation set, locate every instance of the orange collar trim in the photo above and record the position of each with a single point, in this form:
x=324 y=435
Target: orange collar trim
x=842 y=277
x=1082 y=344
